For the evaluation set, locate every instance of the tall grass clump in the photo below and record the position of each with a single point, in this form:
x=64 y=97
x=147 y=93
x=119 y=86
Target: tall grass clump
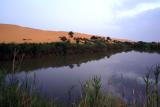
x=94 y=96
x=14 y=93
x=151 y=80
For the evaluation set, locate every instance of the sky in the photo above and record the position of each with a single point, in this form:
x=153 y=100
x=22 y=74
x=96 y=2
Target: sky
x=129 y=19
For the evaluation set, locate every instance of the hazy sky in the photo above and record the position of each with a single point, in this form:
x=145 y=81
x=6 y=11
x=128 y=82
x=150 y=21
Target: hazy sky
x=132 y=19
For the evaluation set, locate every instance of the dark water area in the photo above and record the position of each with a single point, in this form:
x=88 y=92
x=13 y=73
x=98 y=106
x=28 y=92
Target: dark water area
x=121 y=73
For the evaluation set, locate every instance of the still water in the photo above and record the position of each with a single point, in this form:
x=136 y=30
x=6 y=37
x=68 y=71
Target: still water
x=120 y=73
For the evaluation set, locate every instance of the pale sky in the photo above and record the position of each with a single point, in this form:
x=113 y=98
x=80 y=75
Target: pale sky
x=130 y=19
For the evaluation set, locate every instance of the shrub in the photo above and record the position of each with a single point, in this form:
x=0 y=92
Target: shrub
x=71 y=34
x=63 y=38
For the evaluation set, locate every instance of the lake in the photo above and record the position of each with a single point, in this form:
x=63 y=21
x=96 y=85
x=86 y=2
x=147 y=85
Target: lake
x=121 y=73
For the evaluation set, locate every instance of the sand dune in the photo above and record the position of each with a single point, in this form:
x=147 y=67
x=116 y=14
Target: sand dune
x=18 y=34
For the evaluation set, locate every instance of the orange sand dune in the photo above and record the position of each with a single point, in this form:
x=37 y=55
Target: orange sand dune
x=17 y=34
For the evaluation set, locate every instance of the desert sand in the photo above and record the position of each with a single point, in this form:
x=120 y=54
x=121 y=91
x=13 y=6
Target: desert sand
x=18 y=34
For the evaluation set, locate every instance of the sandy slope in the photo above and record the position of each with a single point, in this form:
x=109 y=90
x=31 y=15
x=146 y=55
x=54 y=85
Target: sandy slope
x=17 y=34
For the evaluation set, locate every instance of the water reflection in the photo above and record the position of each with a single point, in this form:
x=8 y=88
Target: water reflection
x=71 y=66
x=121 y=73
x=57 y=61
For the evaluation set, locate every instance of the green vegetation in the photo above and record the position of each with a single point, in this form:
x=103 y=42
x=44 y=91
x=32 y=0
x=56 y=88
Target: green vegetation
x=94 y=96
x=152 y=91
x=147 y=46
x=52 y=49
x=14 y=93
x=81 y=46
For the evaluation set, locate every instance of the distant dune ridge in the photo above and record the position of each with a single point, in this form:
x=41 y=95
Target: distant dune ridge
x=18 y=34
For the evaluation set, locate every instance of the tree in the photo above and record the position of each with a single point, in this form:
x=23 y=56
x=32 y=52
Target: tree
x=93 y=37
x=108 y=38
x=63 y=38
x=70 y=34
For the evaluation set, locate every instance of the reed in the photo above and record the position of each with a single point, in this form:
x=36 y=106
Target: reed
x=15 y=93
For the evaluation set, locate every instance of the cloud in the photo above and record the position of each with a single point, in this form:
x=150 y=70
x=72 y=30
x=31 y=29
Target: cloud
x=138 y=9
x=144 y=26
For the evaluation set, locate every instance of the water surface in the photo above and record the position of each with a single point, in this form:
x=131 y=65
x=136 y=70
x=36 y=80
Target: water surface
x=120 y=73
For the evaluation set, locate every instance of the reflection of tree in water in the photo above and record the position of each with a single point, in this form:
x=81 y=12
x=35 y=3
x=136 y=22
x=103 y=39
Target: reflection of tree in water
x=108 y=56
x=58 y=61
x=71 y=66
x=78 y=65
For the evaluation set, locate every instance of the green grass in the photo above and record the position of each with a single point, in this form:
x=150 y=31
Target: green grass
x=24 y=94
x=13 y=94
x=38 y=50
x=20 y=94
x=66 y=48
x=152 y=90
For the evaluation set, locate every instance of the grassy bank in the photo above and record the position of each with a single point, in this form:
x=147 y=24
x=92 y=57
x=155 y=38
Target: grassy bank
x=44 y=61
x=56 y=49
x=64 y=48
